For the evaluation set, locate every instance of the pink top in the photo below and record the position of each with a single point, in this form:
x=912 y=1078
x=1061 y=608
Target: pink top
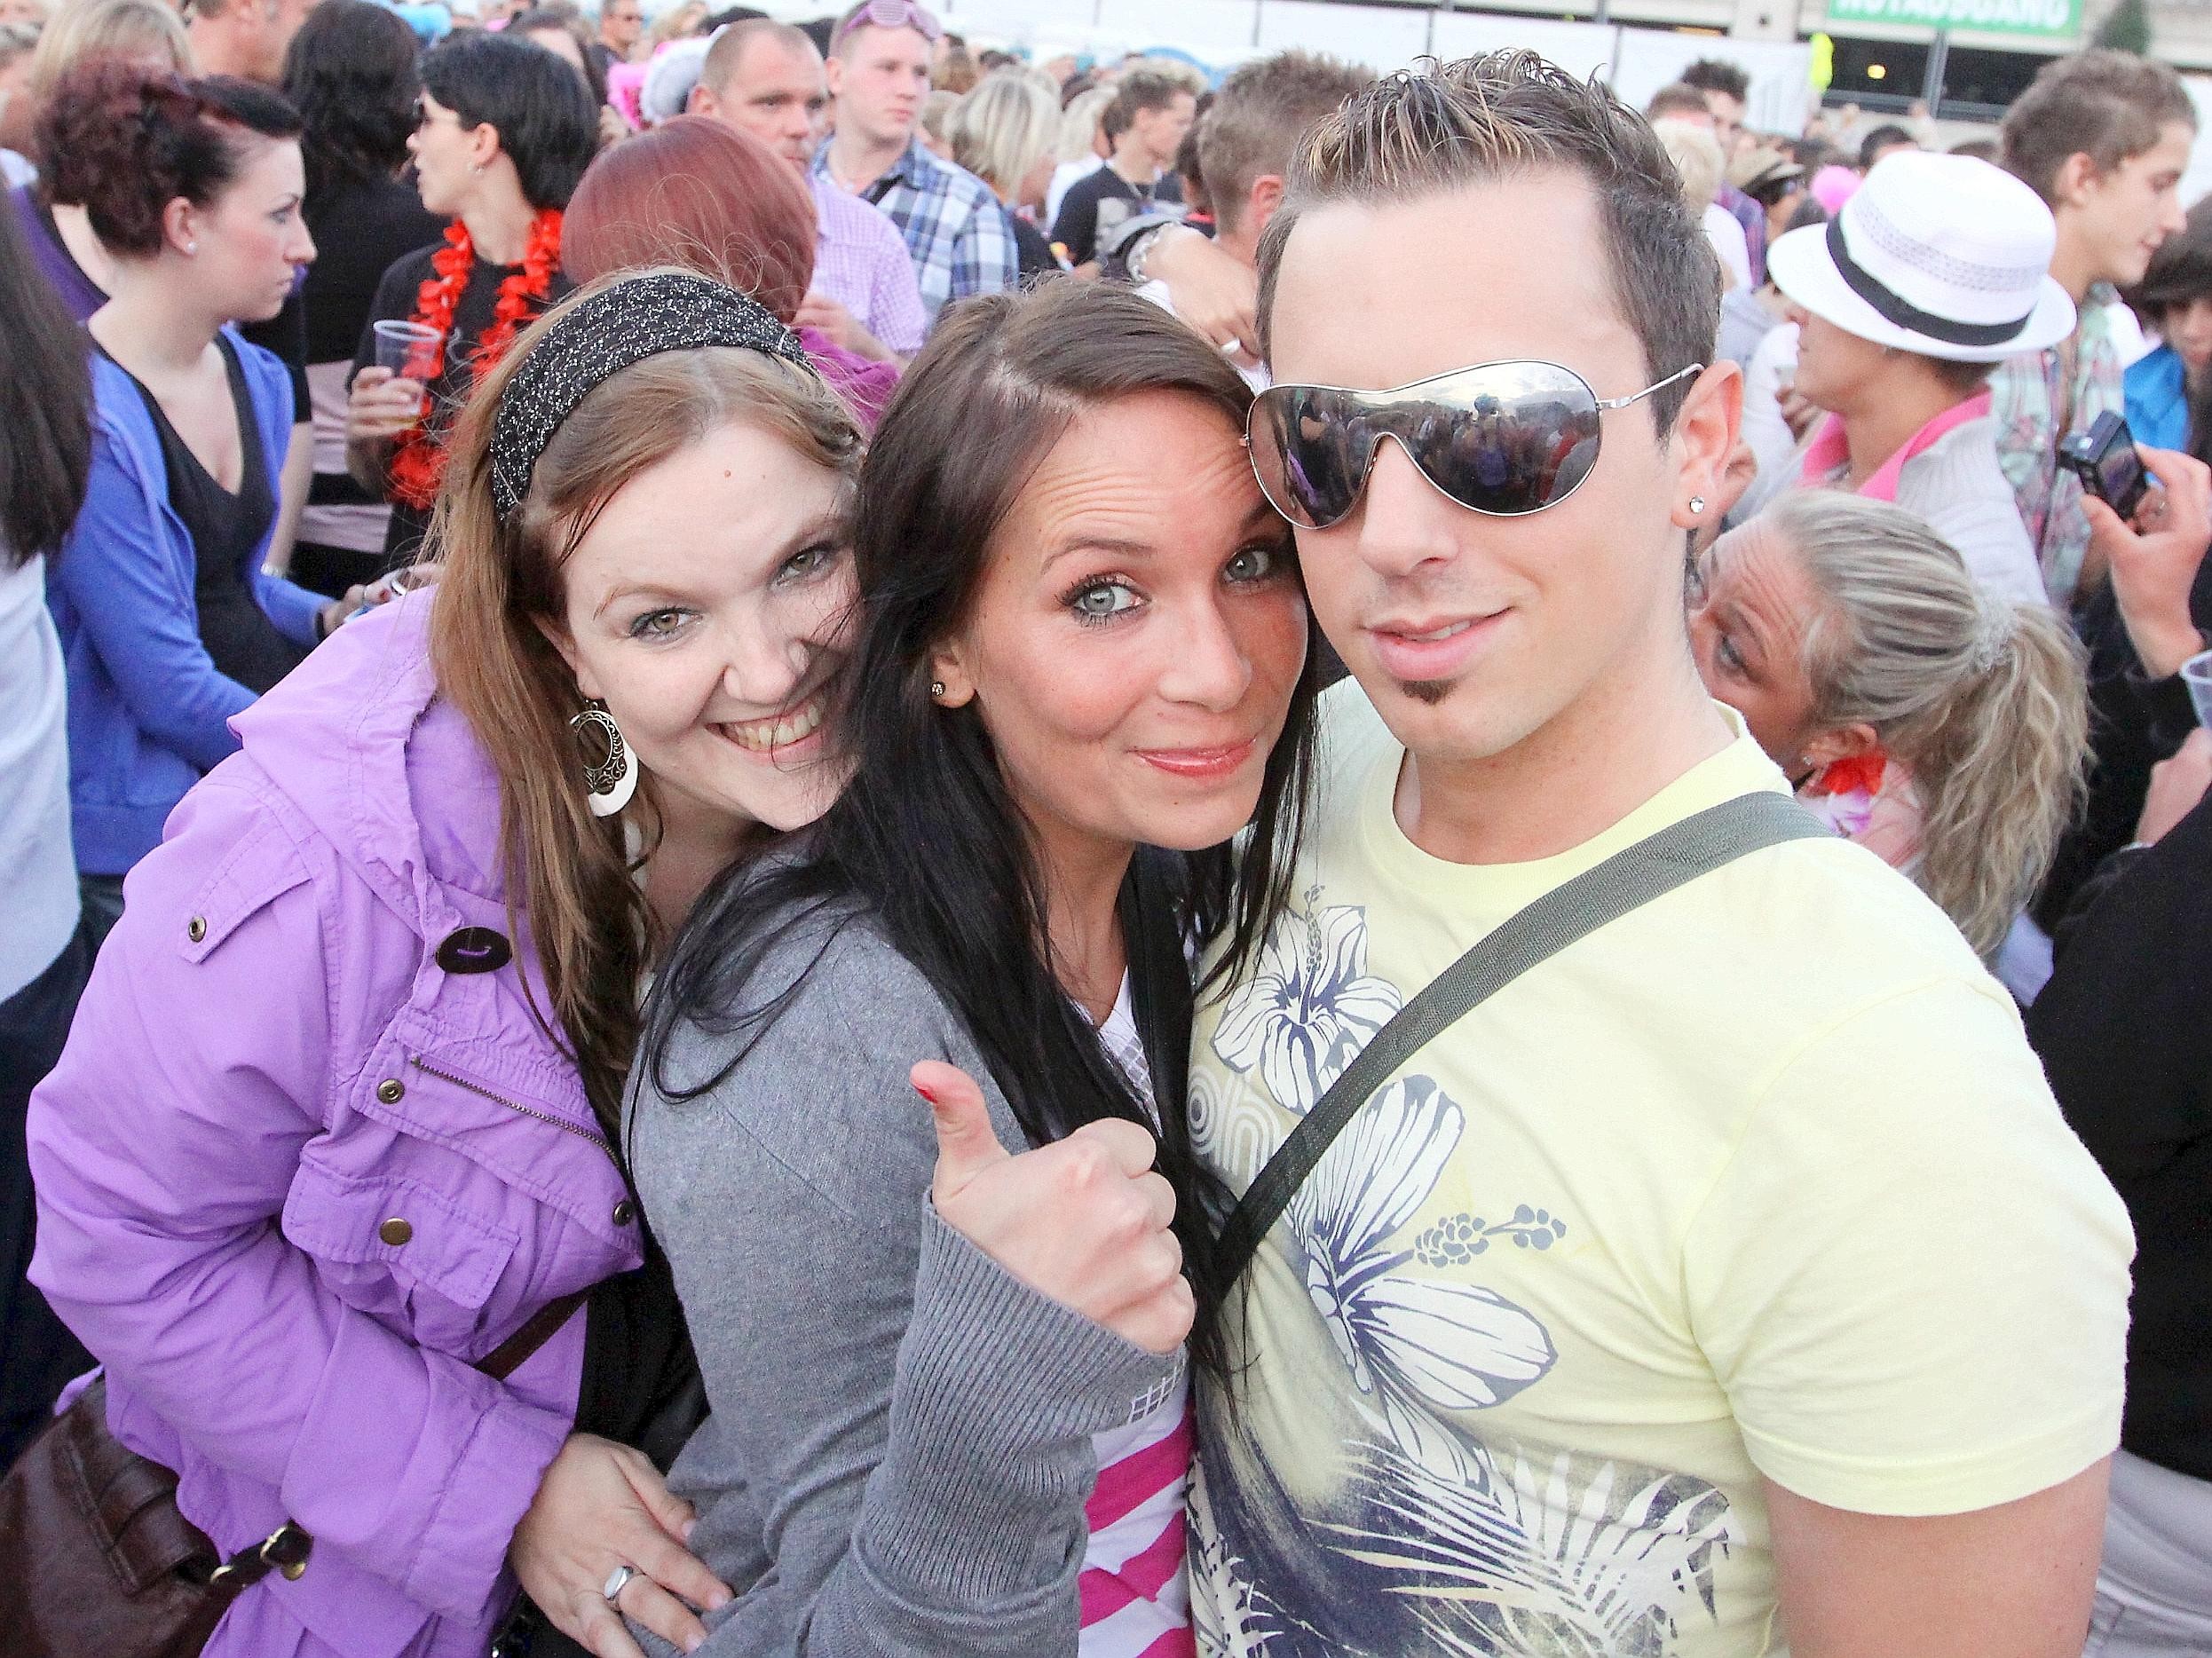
x=1829 y=452
x=866 y=384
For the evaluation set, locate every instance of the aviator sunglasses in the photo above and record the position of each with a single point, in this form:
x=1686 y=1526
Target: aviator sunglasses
x=1504 y=439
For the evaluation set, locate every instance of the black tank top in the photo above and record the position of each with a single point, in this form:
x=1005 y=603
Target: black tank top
x=226 y=528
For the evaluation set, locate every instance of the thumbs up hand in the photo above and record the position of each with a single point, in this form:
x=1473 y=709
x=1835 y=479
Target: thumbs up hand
x=1085 y=1221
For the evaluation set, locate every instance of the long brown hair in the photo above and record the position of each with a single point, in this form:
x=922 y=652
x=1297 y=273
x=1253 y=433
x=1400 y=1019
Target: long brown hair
x=499 y=604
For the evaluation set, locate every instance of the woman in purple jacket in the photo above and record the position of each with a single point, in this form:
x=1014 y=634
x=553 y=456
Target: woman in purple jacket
x=335 y=1118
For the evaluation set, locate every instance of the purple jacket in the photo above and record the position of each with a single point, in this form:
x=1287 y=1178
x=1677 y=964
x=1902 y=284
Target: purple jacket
x=294 y=1176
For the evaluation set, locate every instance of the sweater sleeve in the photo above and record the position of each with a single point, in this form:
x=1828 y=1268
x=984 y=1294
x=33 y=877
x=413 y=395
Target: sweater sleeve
x=899 y=1452
x=163 y=1146
x=115 y=572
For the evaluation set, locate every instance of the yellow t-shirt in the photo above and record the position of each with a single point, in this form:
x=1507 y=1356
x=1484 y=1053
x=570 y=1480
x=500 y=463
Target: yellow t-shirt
x=1762 y=1179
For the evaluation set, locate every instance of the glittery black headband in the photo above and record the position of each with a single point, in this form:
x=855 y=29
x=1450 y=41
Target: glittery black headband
x=614 y=328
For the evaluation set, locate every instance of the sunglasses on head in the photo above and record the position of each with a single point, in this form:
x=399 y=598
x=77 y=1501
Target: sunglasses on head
x=1505 y=439
x=892 y=14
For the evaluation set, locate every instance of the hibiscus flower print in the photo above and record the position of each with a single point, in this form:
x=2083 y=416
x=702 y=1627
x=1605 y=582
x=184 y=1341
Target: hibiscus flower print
x=1311 y=1007
x=1413 y=1345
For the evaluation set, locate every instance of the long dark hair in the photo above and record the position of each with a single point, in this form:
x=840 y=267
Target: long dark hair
x=927 y=837
x=350 y=70
x=45 y=408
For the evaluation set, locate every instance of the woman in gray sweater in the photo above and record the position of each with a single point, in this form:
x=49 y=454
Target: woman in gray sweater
x=1079 y=670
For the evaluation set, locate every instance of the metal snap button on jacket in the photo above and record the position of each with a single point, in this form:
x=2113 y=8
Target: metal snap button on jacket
x=196 y=928
x=391 y=1090
x=395 y=1231
x=625 y=1212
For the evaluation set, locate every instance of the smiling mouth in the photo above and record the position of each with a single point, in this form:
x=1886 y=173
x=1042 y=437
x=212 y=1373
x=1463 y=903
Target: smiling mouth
x=765 y=736
x=1222 y=760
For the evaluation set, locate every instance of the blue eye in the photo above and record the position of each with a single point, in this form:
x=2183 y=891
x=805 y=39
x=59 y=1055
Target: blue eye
x=1103 y=600
x=1253 y=563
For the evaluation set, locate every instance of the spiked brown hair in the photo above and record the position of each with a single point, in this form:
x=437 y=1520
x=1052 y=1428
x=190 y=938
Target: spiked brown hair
x=1506 y=115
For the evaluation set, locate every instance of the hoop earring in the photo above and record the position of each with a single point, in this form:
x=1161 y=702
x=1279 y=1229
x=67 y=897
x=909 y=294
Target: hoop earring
x=610 y=782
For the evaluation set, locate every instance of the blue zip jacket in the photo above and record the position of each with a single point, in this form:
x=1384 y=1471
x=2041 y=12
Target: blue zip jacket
x=148 y=713
x=2158 y=400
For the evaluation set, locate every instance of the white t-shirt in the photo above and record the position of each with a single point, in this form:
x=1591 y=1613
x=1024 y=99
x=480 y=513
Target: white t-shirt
x=1730 y=243
x=1062 y=177
x=38 y=874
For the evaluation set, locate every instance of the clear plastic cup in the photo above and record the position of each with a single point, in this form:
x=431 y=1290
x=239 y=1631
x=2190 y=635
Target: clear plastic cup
x=408 y=349
x=2196 y=673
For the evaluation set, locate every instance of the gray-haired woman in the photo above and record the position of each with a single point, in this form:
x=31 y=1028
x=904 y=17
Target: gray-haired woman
x=1942 y=728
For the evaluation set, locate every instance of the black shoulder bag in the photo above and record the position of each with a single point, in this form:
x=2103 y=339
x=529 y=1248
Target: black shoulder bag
x=1627 y=880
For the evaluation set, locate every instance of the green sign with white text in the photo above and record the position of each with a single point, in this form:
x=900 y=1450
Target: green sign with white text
x=2047 y=17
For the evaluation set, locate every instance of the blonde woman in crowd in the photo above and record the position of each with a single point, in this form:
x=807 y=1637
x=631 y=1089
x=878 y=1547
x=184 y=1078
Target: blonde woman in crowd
x=1005 y=133
x=1696 y=155
x=678 y=22
x=1942 y=729
x=145 y=31
x=935 y=122
x=1084 y=145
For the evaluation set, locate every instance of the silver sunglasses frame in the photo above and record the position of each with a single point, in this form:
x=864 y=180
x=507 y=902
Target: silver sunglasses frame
x=1603 y=406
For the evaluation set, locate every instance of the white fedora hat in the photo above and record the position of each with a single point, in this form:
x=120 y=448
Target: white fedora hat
x=1942 y=255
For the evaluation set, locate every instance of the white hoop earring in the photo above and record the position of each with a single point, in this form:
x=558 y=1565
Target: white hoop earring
x=610 y=782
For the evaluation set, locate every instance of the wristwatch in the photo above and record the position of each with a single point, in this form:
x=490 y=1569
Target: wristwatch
x=1122 y=251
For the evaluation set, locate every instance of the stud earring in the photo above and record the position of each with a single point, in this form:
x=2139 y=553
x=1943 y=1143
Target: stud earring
x=192 y=247
x=936 y=688
x=1697 y=504
x=611 y=780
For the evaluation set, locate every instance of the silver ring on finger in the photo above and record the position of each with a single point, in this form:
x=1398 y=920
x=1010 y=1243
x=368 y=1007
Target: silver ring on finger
x=618 y=1580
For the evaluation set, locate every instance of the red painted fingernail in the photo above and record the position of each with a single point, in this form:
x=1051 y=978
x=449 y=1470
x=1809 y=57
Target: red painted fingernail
x=926 y=1095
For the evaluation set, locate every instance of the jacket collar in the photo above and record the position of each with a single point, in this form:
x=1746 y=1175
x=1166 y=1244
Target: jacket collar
x=354 y=738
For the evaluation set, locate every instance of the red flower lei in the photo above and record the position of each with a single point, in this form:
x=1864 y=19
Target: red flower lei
x=419 y=461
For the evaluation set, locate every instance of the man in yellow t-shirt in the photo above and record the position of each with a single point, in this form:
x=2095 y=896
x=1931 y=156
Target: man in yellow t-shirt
x=1729 y=1284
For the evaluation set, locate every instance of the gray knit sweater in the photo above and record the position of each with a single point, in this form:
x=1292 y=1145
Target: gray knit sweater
x=900 y=1445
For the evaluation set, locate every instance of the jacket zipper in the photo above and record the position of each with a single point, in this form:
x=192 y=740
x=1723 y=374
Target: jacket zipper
x=543 y=1117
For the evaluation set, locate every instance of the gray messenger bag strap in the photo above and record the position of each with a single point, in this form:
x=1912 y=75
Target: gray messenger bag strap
x=1629 y=879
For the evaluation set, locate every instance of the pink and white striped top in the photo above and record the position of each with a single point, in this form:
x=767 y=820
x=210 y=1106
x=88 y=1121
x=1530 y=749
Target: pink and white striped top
x=1135 y=1593
x=1136 y=1597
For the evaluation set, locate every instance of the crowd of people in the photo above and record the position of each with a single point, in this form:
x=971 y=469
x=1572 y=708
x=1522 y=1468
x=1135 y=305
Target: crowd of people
x=821 y=844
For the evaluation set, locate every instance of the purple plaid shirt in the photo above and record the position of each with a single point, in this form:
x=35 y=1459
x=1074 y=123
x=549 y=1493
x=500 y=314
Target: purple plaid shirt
x=860 y=261
x=959 y=237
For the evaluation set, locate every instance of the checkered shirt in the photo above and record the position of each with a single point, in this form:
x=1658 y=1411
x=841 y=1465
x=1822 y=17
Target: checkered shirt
x=959 y=236
x=860 y=261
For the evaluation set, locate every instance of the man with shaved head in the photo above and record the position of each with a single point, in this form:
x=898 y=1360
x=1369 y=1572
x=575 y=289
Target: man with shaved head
x=766 y=78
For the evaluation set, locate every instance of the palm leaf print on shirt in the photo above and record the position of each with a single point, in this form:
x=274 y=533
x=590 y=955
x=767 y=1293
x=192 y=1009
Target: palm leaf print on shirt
x=1432 y=1537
